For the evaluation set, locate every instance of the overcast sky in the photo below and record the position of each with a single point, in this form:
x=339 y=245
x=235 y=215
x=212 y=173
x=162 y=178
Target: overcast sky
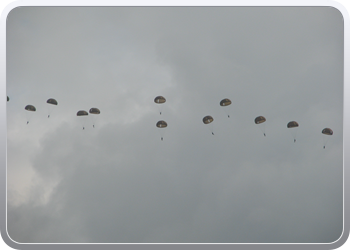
x=118 y=182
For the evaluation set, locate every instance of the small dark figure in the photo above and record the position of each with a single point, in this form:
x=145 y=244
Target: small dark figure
x=324 y=146
x=160 y=112
x=212 y=133
x=27 y=122
x=83 y=128
x=93 y=126
x=48 y=116
x=264 y=134
x=228 y=116
x=162 y=138
x=295 y=140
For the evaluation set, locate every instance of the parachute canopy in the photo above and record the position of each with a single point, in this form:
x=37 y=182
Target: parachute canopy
x=208 y=119
x=225 y=102
x=292 y=124
x=327 y=131
x=260 y=119
x=159 y=99
x=82 y=112
x=52 y=101
x=95 y=111
x=162 y=124
x=30 y=108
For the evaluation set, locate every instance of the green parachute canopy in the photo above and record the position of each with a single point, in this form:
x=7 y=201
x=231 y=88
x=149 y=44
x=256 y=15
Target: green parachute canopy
x=161 y=124
x=30 y=108
x=260 y=119
x=82 y=113
x=52 y=101
x=208 y=119
x=159 y=100
x=327 y=131
x=292 y=124
x=95 y=111
x=225 y=102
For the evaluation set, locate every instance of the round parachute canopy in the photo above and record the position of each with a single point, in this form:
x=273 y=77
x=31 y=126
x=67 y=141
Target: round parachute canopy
x=162 y=124
x=8 y=98
x=30 y=108
x=95 y=111
x=208 y=119
x=260 y=119
x=292 y=124
x=327 y=131
x=82 y=112
x=225 y=102
x=52 y=101
x=159 y=99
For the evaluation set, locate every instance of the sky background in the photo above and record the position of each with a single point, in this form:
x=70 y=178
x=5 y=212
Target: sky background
x=118 y=182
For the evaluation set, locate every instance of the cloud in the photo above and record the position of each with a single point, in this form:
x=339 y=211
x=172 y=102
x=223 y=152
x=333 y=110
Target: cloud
x=118 y=182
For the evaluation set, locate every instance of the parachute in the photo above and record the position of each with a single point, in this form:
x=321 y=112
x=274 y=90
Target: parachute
x=30 y=108
x=260 y=120
x=207 y=120
x=161 y=124
x=53 y=103
x=94 y=111
x=82 y=113
x=293 y=125
x=225 y=102
x=160 y=100
x=326 y=132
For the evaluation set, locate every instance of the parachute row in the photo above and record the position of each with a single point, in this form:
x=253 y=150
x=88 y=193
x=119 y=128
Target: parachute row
x=259 y=120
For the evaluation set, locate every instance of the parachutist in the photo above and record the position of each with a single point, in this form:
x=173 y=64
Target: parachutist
x=212 y=133
x=159 y=100
x=225 y=102
x=295 y=140
x=93 y=126
x=48 y=116
x=27 y=122
x=260 y=121
x=324 y=146
x=83 y=128
x=161 y=125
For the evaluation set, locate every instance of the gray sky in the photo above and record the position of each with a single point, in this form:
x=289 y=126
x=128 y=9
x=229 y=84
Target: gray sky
x=118 y=182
